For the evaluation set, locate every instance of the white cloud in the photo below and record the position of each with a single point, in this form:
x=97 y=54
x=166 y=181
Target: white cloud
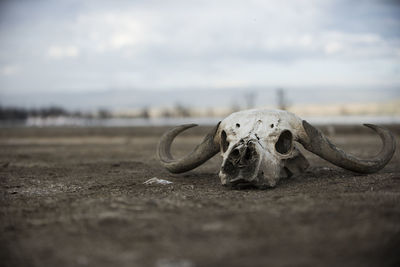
x=60 y=52
x=333 y=47
x=306 y=40
x=110 y=30
x=121 y=39
x=360 y=46
x=9 y=70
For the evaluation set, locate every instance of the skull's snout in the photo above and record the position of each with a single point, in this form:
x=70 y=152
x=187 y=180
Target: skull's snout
x=242 y=154
x=239 y=167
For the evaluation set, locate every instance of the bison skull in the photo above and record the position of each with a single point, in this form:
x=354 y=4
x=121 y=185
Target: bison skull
x=259 y=147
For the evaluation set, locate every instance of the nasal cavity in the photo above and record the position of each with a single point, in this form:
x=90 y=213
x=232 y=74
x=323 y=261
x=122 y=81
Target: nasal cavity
x=247 y=155
x=235 y=153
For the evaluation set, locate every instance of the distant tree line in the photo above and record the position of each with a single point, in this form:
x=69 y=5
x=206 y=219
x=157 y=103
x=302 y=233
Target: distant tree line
x=13 y=114
x=16 y=113
x=22 y=114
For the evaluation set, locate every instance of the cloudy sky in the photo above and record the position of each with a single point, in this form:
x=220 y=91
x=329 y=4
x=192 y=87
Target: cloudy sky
x=85 y=45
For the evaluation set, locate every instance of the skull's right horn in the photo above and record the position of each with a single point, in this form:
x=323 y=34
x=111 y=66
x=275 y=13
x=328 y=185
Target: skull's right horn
x=317 y=143
x=203 y=152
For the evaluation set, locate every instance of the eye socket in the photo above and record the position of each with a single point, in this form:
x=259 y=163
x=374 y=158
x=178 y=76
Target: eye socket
x=224 y=142
x=284 y=143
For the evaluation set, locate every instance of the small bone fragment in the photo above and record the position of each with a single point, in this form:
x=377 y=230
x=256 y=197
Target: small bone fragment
x=156 y=180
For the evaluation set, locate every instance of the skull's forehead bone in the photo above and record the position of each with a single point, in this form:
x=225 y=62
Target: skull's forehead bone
x=259 y=123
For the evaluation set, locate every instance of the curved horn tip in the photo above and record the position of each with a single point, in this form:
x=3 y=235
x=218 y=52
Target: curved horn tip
x=374 y=127
x=178 y=129
x=190 y=125
x=186 y=126
x=379 y=129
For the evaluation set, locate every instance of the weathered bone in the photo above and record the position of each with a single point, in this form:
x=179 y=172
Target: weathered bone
x=258 y=147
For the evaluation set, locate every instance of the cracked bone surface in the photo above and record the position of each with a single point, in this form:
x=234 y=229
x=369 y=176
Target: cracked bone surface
x=259 y=146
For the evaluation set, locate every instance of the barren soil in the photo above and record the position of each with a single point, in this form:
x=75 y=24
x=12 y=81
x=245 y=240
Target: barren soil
x=75 y=197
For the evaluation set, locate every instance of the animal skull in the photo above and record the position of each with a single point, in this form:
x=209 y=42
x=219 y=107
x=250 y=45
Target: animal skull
x=259 y=147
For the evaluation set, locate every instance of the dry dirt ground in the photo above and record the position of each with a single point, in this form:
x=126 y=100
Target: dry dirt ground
x=75 y=197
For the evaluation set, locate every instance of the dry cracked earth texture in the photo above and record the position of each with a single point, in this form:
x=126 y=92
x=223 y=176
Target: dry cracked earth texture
x=75 y=197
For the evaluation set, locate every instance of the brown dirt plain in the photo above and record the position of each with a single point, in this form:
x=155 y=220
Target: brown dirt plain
x=75 y=197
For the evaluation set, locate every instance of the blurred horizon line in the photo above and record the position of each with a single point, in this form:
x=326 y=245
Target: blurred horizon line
x=115 y=99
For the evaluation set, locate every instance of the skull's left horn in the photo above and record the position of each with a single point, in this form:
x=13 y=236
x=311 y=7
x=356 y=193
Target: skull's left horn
x=317 y=143
x=203 y=152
